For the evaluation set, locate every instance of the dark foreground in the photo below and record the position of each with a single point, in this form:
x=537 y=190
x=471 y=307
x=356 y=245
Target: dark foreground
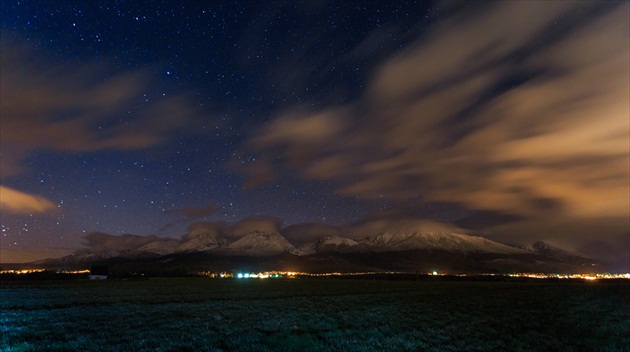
x=200 y=314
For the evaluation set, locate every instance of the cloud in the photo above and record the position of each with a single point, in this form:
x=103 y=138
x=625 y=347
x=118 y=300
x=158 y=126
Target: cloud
x=189 y=213
x=252 y=224
x=258 y=172
x=517 y=111
x=16 y=202
x=217 y=228
x=615 y=253
x=299 y=234
x=514 y=231
x=520 y=108
x=372 y=226
x=10 y=255
x=99 y=241
x=604 y=238
x=234 y=230
x=83 y=108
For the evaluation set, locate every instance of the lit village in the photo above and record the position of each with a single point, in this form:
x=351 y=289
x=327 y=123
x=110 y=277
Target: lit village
x=99 y=274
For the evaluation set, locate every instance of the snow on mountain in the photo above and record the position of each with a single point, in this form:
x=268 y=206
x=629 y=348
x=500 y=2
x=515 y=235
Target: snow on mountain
x=452 y=242
x=330 y=243
x=548 y=250
x=200 y=240
x=400 y=235
x=163 y=247
x=262 y=244
x=202 y=243
x=338 y=241
x=393 y=249
x=85 y=255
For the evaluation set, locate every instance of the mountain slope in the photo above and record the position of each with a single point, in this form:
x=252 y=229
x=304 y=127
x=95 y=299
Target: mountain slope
x=552 y=252
x=201 y=240
x=452 y=242
x=261 y=244
x=163 y=247
x=414 y=249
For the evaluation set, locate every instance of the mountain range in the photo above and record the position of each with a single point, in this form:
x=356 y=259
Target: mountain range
x=426 y=248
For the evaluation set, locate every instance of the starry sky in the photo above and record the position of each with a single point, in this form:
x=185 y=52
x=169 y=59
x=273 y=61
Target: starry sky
x=510 y=119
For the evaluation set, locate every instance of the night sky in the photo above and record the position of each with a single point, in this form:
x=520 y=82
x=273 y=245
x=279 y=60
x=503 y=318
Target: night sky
x=510 y=119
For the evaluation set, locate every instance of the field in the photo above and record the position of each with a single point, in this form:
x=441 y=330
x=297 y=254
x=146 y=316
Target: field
x=308 y=314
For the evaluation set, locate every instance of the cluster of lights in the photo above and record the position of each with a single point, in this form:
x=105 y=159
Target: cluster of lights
x=572 y=276
x=266 y=275
x=293 y=274
x=25 y=271
x=352 y=274
x=250 y=275
x=84 y=271
x=30 y=271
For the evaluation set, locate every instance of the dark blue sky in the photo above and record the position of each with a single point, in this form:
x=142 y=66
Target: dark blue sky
x=238 y=63
x=118 y=115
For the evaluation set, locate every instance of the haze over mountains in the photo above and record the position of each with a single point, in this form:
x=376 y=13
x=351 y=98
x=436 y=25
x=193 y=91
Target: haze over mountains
x=258 y=244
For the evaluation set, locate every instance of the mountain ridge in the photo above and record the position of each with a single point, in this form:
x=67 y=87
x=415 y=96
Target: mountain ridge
x=403 y=251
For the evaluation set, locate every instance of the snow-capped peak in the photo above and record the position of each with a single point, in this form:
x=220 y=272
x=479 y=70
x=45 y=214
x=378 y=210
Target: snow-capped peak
x=201 y=240
x=163 y=247
x=437 y=241
x=262 y=244
x=327 y=244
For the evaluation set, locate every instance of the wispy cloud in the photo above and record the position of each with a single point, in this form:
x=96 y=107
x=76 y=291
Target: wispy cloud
x=83 y=108
x=255 y=223
x=520 y=108
x=494 y=113
x=190 y=213
x=16 y=202
x=100 y=241
x=9 y=255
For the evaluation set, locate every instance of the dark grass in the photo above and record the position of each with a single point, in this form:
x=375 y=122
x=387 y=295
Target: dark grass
x=200 y=314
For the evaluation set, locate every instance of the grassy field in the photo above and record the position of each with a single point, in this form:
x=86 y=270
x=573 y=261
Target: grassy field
x=201 y=314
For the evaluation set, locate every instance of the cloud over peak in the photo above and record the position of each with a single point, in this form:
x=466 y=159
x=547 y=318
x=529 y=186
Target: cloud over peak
x=502 y=111
x=100 y=241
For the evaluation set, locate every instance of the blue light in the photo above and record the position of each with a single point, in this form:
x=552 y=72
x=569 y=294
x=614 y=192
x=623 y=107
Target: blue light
x=240 y=276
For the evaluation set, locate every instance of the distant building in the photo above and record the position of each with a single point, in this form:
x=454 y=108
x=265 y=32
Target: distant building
x=99 y=272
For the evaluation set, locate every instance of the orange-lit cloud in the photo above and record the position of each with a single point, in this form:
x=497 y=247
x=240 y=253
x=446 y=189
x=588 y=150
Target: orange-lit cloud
x=47 y=106
x=444 y=119
x=16 y=202
x=521 y=108
x=10 y=255
x=100 y=241
x=267 y=224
